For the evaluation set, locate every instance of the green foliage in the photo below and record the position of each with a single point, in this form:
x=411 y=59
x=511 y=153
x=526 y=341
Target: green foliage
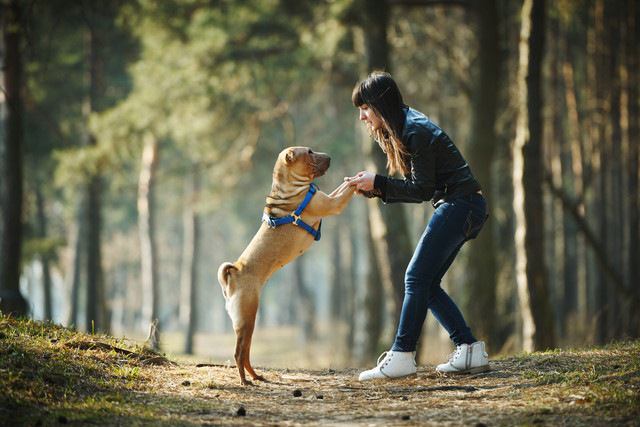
x=56 y=71
x=211 y=77
x=223 y=82
x=57 y=158
x=43 y=247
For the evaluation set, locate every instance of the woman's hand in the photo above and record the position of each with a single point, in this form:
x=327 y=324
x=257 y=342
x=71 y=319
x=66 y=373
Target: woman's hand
x=362 y=180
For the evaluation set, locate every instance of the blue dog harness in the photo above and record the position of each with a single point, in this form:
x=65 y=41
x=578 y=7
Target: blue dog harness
x=294 y=218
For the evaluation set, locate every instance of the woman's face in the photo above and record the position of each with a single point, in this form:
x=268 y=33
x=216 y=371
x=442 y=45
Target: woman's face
x=369 y=116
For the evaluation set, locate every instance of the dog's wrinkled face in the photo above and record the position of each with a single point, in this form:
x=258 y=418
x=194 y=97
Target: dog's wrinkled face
x=303 y=163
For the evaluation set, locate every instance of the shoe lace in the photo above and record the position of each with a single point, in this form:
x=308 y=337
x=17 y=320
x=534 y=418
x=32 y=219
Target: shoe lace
x=455 y=354
x=384 y=358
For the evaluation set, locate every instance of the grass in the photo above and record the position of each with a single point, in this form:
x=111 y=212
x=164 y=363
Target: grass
x=50 y=375
x=607 y=377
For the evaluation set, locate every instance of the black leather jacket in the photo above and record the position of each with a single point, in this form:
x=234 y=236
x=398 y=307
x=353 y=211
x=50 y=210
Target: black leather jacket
x=437 y=169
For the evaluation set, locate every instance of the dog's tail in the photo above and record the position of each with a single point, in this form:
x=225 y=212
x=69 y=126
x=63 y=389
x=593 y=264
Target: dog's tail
x=224 y=276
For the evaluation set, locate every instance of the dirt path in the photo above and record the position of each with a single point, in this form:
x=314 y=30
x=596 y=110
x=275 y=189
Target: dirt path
x=50 y=376
x=582 y=388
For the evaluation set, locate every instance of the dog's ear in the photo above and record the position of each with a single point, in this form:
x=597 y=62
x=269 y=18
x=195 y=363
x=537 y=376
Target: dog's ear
x=290 y=156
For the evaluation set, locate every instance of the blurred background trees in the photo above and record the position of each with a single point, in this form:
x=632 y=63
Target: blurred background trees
x=139 y=136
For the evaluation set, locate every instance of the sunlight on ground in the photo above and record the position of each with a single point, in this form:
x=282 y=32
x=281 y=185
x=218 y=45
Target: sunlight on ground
x=283 y=347
x=276 y=347
x=52 y=375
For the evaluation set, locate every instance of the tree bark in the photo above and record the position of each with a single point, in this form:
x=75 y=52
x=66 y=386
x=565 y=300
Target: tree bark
x=348 y=241
x=480 y=307
x=616 y=219
x=146 y=225
x=190 y=257
x=391 y=240
x=11 y=300
x=95 y=286
x=337 y=275
x=373 y=304
x=606 y=266
x=95 y=308
x=44 y=257
x=591 y=165
x=555 y=159
x=78 y=257
x=633 y=185
x=527 y=180
x=602 y=169
x=574 y=271
x=193 y=312
x=305 y=307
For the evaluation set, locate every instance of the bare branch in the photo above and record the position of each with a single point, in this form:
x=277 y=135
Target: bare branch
x=574 y=209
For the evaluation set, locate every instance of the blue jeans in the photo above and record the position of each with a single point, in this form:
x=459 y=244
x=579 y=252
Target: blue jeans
x=452 y=224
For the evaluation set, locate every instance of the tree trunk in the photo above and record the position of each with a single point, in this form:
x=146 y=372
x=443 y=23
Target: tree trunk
x=337 y=273
x=11 y=301
x=480 y=307
x=391 y=240
x=527 y=180
x=146 y=225
x=616 y=218
x=555 y=163
x=95 y=288
x=95 y=307
x=306 y=307
x=602 y=315
x=44 y=257
x=190 y=258
x=591 y=167
x=574 y=250
x=78 y=258
x=633 y=185
x=186 y=267
x=193 y=312
x=373 y=304
x=350 y=269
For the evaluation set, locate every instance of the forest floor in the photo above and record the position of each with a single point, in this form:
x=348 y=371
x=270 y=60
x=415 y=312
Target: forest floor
x=50 y=375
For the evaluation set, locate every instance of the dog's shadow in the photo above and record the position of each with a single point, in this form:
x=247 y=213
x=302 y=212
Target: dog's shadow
x=235 y=386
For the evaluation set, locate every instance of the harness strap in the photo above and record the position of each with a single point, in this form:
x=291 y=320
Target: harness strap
x=294 y=217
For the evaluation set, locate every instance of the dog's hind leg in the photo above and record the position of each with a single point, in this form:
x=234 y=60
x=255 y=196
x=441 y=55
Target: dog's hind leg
x=243 y=353
x=244 y=322
x=247 y=363
x=240 y=354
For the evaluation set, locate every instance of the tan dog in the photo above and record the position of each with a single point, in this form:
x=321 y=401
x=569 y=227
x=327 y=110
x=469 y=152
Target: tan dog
x=272 y=248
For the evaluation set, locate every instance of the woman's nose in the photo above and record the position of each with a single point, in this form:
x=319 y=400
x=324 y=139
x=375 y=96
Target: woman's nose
x=362 y=116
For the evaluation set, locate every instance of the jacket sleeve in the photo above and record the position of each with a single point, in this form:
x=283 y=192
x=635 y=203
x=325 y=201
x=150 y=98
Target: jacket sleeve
x=420 y=184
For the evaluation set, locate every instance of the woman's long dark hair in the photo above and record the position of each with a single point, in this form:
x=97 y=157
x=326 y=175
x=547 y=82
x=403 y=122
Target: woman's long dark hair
x=380 y=93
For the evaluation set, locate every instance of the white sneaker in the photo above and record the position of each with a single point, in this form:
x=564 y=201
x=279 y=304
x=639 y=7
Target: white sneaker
x=394 y=364
x=467 y=359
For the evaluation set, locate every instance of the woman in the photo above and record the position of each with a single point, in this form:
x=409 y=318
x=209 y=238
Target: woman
x=434 y=170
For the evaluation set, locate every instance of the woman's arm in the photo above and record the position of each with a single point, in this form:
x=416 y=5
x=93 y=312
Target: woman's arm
x=420 y=185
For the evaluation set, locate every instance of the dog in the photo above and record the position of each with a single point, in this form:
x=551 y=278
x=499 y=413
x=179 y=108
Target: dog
x=291 y=222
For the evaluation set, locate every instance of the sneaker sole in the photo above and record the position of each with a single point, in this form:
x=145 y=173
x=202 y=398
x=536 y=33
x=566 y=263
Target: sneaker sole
x=385 y=378
x=475 y=370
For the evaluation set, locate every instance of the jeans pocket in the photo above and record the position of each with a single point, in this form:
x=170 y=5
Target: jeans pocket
x=473 y=224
